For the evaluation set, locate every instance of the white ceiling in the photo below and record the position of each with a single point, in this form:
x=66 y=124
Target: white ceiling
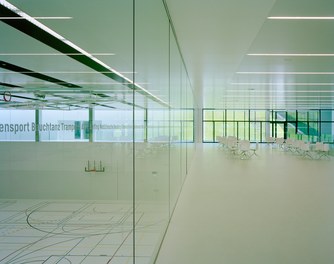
x=216 y=38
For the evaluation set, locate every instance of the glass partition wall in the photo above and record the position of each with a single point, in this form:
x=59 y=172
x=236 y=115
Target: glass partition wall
x=95 y=145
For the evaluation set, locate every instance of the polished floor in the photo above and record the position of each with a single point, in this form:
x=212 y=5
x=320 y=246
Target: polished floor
x=277 y=208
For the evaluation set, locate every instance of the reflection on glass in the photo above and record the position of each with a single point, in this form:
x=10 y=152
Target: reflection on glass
x=101 y=168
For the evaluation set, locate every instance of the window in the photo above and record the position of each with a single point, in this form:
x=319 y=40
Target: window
x=17 y=125
x=61 y=125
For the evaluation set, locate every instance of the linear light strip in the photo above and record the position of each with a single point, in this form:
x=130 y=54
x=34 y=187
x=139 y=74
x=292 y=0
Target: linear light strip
x=293 y=54
x=287 y=84
x=277 y=96
x=279 y=100
x=275 y=91
x=287 y=73
x=301 y=17
x=54 y=54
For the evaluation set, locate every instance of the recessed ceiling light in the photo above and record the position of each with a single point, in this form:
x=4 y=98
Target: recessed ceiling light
x=301 y=17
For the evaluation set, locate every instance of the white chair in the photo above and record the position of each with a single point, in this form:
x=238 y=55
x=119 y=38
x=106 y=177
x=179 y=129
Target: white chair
x=280 y=143
x=299 y=147
x=220 y=141
x=270 y=140
x=232 y=145
x=289 y=145
x=244 y=148
x=254 y=149
x=318 y=147
x=324 y=152
x=305 y=151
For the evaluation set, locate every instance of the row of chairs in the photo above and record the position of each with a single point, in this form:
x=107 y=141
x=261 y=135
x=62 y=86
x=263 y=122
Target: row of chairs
x=305 y=149
x=244 y=150
x=237 y=148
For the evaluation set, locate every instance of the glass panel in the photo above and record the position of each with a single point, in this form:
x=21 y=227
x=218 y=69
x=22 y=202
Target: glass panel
x=109 y=151
x=56 y=125
x=188 y=132
x=17 y=125
x=326 y=131
x=302 y=115
x=230 y=115
x=208 y=132
x=252 y=115
x=158 y=159
x=76 y=189
x=188 y=114
x=291 y=115
x=279 y=115
x=302 y=128
x=241 y=115
x=243 y=130
x=279 y=130
x=260 y=115
x=190 y=104
x=218 y=115
x=219 y=129
x=264 y=126
x=116 y=125
x=255 y=131
x=291 y=131
x=157 y=124
x=208 y=115
x=314 y=115
x=326 y=115
x=231 y=129
x=176 y=96
x=314 y=131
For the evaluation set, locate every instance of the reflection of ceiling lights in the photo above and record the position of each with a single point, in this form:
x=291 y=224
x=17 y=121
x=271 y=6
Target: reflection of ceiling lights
x=38 y=18
x=54 y=54
x=300 y=18
x=72 y=72
x=43 y=33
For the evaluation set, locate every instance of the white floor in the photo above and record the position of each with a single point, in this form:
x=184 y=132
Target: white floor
x=273 y=209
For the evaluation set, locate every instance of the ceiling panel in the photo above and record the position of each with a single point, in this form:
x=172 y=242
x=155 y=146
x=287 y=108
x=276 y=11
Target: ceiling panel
x=252 y=65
